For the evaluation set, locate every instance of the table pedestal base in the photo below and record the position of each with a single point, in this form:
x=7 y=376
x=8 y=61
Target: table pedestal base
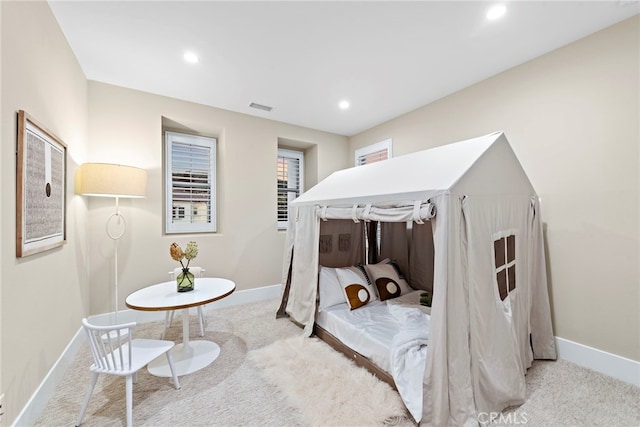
x=195 y=356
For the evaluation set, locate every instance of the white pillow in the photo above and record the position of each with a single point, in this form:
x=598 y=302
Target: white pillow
x=386 y=280
x=330 y=290
x=357 y=290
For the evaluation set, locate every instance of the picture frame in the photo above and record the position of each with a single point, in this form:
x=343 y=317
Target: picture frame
x=41 y=183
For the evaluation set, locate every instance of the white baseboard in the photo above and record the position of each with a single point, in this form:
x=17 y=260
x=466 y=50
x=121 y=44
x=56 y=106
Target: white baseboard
x=610 y=364
x=47 y=387
x=46 y=390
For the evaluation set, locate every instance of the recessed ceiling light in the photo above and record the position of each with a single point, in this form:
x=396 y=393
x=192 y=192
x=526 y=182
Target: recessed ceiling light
x=343 y=104
x=496 y=12
x=191 y=57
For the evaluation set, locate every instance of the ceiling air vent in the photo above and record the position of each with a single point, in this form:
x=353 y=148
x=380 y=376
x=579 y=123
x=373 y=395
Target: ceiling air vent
x=260 y=106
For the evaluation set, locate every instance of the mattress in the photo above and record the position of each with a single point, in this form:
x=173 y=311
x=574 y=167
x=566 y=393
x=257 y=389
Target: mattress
x=369 y=330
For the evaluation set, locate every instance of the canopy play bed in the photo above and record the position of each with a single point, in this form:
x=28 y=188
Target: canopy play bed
x=460 y=222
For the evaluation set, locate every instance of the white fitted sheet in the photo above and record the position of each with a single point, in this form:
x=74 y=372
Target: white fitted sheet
x=369 y=330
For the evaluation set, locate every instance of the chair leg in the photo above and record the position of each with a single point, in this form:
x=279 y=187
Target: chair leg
x=129 y=395
x=201 y=317
x=87 y=396
x=176 y=382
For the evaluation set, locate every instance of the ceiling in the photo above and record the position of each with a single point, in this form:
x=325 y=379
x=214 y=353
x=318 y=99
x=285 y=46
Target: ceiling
x=302 y=58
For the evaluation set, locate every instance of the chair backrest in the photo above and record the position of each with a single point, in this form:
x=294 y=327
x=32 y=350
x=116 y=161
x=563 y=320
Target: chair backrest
x=110 y=346
x=197 y=271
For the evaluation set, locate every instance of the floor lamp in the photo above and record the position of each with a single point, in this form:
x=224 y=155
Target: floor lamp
x=118 y=181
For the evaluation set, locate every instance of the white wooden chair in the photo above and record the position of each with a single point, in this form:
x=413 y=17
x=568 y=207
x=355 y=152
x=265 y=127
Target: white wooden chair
x=168 y=318
x=115 y=352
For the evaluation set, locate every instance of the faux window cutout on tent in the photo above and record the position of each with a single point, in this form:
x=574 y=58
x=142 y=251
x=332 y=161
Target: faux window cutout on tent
x=504 y=255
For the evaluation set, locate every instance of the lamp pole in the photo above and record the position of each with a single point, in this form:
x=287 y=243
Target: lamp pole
x=120 y=228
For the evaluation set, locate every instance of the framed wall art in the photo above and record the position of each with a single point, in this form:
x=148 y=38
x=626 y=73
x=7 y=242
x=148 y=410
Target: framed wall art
x=41 y=171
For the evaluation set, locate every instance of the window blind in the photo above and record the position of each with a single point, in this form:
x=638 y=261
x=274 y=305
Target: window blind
x=190 y=183
x=289 y=173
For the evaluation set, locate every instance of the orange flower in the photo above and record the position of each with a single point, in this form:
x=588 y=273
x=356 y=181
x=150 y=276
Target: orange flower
x=176 y=252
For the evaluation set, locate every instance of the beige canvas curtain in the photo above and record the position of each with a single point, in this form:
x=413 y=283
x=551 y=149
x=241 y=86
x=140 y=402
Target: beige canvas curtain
x=448 y=394
x=421 y=256
x=300 y=296
x=394 y=244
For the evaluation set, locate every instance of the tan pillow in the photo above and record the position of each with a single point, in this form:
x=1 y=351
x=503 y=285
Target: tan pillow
x=387 y=281
x=357 y=290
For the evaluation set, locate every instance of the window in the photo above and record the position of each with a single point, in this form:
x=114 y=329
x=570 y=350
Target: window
x=178 y=212
x=373 y=153
x=504 y=249
x=290 y=183
x=190 y=172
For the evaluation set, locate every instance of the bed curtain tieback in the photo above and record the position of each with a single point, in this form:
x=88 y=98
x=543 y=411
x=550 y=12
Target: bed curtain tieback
x=354 y=213
x=367 y=212
x=323 y=213
x=416 y=212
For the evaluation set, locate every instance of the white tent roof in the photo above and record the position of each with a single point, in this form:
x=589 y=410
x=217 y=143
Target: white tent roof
x=483 y=165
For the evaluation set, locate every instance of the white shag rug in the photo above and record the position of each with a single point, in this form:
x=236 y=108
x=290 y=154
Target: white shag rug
x=328 y=388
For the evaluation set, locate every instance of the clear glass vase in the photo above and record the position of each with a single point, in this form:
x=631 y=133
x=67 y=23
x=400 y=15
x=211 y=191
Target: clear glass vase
x=186 y=280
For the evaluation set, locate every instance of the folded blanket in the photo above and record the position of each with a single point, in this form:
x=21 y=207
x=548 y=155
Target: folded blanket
x=408 y=354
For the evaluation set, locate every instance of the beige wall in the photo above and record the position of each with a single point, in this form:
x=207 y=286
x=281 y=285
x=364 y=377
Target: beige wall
x=125 y=126
x=573 y=118
x=43 y=296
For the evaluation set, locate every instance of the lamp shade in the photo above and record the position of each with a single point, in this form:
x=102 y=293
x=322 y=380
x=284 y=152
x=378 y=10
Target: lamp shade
x=110 y=180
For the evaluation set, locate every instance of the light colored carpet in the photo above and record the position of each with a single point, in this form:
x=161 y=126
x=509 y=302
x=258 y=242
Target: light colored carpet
x=358 y=398
x=232 y=392
x=560 y=393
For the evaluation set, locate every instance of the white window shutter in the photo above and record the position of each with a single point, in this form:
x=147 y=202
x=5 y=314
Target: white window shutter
x=190 y=183
x=290 y=174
